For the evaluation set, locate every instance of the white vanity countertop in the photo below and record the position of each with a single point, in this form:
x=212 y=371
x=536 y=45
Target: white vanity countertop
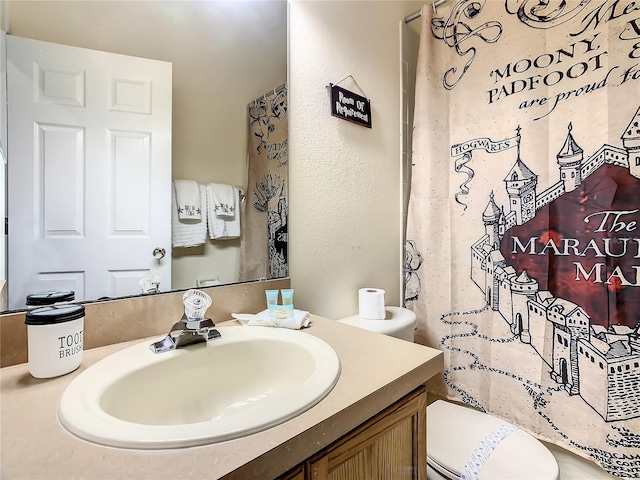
x=376 y=371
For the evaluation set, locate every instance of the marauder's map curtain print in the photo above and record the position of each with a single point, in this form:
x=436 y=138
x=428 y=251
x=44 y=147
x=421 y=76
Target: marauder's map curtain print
x=523 y=240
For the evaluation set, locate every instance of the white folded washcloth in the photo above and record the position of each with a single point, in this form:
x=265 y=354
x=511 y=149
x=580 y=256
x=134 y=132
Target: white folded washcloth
x=224 y=204
x=222 y=228
x=300 y=319
x=190 y=232
x=188 y=199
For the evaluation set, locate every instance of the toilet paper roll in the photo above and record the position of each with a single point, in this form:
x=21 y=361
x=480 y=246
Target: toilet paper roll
x=371 y=304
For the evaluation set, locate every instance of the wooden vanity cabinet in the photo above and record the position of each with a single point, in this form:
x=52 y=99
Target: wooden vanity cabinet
x=390 y=445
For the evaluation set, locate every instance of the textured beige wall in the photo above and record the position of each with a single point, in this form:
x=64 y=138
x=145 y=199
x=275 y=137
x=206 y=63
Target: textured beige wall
x=345 y=180
x=224 y=54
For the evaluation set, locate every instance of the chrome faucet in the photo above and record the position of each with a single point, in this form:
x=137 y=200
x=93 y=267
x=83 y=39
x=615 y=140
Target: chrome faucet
x=193 y=328
x=185 y=333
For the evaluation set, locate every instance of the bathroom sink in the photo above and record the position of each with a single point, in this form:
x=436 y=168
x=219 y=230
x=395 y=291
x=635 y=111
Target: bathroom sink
x=250 y=379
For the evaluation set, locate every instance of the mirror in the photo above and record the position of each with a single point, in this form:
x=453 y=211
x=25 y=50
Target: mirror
x=224 y=55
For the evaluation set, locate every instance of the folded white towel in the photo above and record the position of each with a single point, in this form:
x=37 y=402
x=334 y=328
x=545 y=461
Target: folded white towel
x=187 y=233
x=188 y=199
x=224 y=204
x=300 y=319
x=223 y=228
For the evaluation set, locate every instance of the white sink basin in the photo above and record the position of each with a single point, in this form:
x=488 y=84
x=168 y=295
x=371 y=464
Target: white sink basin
x=250 y=379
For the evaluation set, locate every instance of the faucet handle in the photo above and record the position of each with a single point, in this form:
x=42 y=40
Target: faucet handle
x=196 y=303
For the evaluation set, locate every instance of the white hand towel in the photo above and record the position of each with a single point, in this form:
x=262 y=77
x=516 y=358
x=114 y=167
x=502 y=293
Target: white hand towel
x=300 y=319
x=188 y=199
x=187 y=233
x=222 y=228
x=224 y=204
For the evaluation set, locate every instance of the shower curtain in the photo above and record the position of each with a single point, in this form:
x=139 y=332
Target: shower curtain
x=265 y=236
x=523 y=231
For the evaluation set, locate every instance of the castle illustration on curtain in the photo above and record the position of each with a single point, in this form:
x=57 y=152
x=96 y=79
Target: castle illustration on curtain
x=513 y=258
x=542 y=216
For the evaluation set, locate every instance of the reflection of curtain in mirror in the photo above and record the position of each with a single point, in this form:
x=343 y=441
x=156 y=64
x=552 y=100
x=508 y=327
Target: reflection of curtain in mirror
x=523 y=223
x=264 y=237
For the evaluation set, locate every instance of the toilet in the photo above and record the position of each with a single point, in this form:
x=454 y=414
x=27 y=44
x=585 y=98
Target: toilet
x=459 y=437
x=463 y=441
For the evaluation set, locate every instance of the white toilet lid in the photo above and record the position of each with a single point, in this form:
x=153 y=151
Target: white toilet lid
x=454 y=432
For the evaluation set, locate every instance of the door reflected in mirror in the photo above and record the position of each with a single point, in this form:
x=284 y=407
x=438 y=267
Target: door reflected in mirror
x=227 y=69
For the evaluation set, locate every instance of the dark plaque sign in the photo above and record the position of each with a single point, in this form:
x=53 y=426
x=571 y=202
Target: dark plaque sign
x=350 y=106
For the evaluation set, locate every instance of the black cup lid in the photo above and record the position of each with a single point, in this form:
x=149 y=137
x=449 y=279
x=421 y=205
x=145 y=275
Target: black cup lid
x=54 y=314
x=49 y=298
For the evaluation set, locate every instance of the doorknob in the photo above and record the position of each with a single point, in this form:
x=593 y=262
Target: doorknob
x=159 y=252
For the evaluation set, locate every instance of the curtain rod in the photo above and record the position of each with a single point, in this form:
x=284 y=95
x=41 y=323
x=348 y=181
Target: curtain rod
x=275 y=91
x=418 y=14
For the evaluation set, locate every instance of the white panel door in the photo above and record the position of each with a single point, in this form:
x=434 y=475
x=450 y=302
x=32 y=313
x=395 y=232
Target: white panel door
x=89 y=170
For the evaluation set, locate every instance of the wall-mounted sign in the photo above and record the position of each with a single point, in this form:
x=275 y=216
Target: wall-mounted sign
x=350 y=106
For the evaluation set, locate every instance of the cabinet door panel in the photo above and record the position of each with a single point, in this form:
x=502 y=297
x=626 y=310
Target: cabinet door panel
x=394 y=453
x=389 y=446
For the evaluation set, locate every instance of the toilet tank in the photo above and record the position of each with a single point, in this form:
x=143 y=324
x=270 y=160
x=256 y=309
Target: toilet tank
x=399 y=322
